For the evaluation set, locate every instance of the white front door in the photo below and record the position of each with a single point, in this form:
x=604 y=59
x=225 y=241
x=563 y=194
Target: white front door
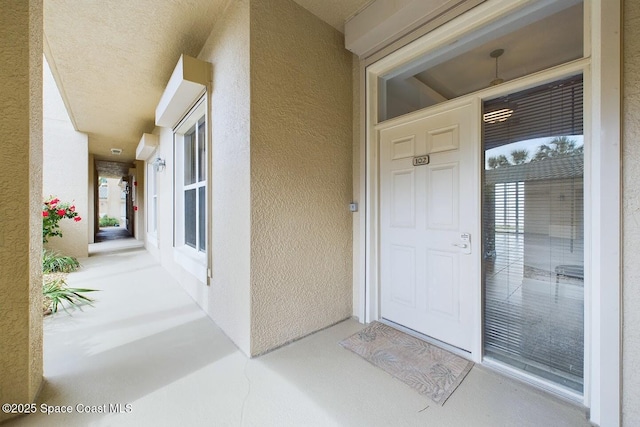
x=429 y=224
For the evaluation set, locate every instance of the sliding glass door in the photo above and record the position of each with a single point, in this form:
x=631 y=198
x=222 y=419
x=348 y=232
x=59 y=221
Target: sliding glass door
x=533 y=231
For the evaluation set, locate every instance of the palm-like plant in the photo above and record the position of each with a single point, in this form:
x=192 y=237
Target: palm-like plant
x=498 y=161
x=53 y=262
x=519 y=157
x=57 y=293
x=558 y=147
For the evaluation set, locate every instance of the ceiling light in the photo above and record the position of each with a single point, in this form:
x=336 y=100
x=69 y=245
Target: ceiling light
x=496 y=54
x=116 y=151
x=497 y=115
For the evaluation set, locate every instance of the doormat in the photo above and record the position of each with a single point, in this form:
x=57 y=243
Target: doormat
x=430 y=370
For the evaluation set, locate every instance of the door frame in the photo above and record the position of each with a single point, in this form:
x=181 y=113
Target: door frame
x=601 y=69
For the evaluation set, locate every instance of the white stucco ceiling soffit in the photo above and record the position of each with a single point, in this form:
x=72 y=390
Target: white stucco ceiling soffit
x=187 y=83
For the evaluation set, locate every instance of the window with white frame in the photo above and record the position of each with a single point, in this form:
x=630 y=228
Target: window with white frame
x=152 y=191
x=191 y=181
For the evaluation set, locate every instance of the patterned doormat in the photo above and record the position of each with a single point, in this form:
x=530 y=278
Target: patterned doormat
x=430 y=370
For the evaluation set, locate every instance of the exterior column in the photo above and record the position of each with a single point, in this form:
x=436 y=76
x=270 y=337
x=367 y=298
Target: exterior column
x=21 y=27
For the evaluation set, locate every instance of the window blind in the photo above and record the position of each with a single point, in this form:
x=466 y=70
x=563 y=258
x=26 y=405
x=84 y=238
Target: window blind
x=533 y=231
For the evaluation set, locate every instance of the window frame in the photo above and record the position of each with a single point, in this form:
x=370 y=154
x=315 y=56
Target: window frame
x=152 y=209
x=192 y=258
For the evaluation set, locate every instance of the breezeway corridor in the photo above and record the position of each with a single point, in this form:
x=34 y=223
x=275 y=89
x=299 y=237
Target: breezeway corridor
x=147 y=345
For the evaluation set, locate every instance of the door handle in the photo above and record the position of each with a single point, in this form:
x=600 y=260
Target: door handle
x=464 y=243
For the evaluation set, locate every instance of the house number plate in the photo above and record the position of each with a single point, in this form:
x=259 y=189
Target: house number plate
x=421 y=160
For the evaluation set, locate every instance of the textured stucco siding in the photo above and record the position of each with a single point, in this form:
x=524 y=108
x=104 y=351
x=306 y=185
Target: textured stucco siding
x=631 y=215
x=358 y=218
x=64 y=172
x=301 y=174
x=228 y=50
x=226 y=298
x=21 y=193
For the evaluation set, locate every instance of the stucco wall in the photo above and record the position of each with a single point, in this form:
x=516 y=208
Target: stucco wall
x=631 y=215
x=358 y=217
x=301 y=174
x=226 y=299
x=64 y=171
x=228 y=50
x=21 y=193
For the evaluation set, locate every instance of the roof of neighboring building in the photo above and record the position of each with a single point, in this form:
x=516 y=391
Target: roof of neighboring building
x=571 y=166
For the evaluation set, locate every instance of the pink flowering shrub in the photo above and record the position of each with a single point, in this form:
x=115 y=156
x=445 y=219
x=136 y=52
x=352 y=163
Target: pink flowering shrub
x=52 y=212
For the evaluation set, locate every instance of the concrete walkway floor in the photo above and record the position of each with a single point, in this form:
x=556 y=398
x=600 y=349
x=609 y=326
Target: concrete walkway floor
x=147 y=347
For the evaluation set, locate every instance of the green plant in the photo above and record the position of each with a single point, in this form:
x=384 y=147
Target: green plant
x=108 y=221
x=53 y=262
x=52 y=212
x=57 y=293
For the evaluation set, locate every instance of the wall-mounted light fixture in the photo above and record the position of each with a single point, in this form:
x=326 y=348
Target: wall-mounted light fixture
x=159 y=164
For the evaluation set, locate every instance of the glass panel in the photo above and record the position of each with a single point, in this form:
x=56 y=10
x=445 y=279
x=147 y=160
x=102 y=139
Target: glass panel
x=154 y=198
x=202 y=143
x=190 y=217
x=154 y=215
x=538 y=40
x=533 y=232
x=202 y=212
x=190 y=156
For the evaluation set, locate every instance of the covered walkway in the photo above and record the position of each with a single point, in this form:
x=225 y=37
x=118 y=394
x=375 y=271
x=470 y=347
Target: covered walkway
x=146 y=344
x=112 y=233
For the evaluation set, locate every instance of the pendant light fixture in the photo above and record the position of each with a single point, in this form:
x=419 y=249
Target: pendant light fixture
x=502 y=114
x=496 y=54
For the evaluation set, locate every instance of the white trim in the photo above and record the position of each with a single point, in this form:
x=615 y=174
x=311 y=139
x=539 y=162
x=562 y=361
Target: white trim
x=562 y=392
x=605 y=193
x=360 y=242
x=152 y=239
x=189 y=79
x=151 y=183
x=192 y=261
x=451 y=34
x=147 y=146
x=382 y=21
x=601 y=69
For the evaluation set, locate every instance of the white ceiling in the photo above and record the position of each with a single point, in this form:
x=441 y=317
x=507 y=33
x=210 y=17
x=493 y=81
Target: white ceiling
x=112 y=59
